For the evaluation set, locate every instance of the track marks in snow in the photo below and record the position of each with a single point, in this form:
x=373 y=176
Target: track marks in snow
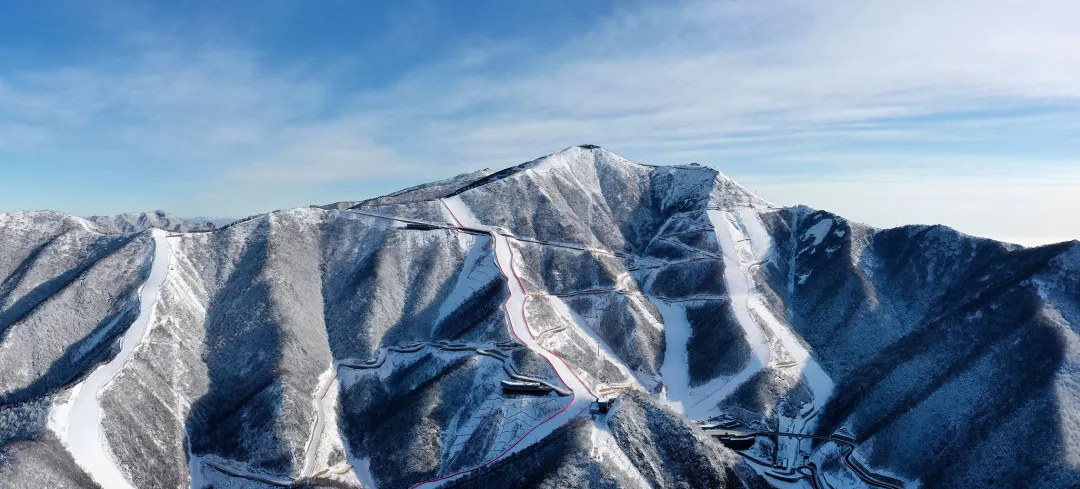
x=320 y=401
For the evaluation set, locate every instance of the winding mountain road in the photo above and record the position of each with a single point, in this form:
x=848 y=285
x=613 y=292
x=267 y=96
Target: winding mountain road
x=855 y=467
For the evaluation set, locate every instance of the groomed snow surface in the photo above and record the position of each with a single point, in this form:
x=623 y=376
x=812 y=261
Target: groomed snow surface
x=745 y=245
x=742 y=231
x=83 y=435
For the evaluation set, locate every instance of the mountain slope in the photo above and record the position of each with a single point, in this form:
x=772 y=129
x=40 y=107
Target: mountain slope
x=365 y=344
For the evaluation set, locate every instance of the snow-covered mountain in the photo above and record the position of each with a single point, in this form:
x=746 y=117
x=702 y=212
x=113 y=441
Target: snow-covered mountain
x=135 y=222
x=457 y=334
x=217 y=222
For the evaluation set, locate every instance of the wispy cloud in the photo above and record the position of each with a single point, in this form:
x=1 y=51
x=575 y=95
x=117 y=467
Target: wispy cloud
x=765 y=70
x=813 y=89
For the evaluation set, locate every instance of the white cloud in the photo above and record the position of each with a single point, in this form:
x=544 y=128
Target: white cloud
x=762 y=87
x=770 y=68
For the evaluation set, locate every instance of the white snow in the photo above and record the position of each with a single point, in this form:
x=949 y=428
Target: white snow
x=676 y=367
x=469 y=281
x=195 y=468
x=803 y=277
x=60 y=411
x=582 y=326
x=818 y=231
x=555 y=160
x=745 y=244
x=736 y=239
x=84 y=438
x=605 y=447
x=675 y=371
x=736 y=269
x=816 y=378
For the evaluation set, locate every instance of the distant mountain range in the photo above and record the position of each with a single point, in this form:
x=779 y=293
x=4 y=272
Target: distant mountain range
x=141 y=221
x=459 y=334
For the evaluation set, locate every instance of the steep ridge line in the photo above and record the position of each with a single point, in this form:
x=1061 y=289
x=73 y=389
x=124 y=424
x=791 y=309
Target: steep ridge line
x=28 y=304
x=654 y=263
x=84 y=437
x=504 y=256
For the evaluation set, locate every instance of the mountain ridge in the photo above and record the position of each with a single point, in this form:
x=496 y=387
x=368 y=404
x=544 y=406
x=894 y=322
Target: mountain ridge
x=362 y=343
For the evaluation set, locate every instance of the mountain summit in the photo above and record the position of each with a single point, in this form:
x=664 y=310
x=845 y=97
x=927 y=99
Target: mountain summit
x=461 y=333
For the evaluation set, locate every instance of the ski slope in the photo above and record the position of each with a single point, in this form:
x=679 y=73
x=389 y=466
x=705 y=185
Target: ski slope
x=84 y=437
x=746 y=245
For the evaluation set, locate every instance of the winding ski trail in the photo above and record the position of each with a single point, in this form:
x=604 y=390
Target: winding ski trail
x=519 y=328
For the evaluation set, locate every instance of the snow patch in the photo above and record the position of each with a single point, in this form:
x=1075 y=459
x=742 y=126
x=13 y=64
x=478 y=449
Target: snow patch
x=60 y=412
x=676 y=367
x=818 y=231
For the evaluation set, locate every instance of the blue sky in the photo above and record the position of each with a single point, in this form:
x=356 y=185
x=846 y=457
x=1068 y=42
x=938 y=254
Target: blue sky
x=963 y=112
